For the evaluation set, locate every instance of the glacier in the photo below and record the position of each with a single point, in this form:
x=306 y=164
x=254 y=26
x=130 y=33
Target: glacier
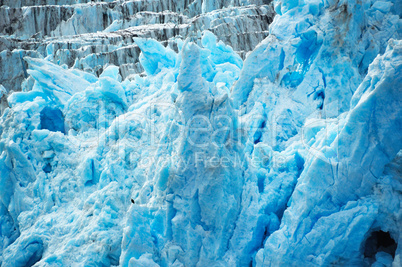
x=201 y=133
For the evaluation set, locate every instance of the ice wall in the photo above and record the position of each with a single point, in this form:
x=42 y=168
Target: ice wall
x=91 y=35
x=289 y=157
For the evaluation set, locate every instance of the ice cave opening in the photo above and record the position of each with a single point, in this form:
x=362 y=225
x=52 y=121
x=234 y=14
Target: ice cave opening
x=52 y=119
x=379 y=241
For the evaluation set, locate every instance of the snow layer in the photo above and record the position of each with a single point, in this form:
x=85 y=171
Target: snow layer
x=291 y=157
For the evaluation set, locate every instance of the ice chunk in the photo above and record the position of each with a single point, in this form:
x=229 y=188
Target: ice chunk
x=154 y=56
x=112 y=72
x=220 y=53
x=57 y=84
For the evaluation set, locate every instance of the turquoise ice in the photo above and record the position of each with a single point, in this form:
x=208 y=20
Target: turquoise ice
x=291 y=157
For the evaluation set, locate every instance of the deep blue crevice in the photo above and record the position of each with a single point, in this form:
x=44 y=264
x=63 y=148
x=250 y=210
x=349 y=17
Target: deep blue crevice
x=320 y=96
x=52 y=119
x=258 y=134
x=47 y=168
x=260 y=183
x=36 y=251
x=281 y=59
x=95 y=175
x=299 y=164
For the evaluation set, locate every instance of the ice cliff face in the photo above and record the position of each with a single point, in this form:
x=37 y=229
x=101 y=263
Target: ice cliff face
x=141 y=134
x=90 y=35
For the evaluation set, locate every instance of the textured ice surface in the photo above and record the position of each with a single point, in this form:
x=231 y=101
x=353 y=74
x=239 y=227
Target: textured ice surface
x=91 y=35
x=291 y=157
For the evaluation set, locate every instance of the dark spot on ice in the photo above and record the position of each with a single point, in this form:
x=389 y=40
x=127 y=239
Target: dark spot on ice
x=36 y=251
x=320 y=96
x=379 y=241
x=52 y=119
x=47 y=168
x=105 y=20
x=260 y=183
x=132 y=201
x=258 y=134
x=299 y=164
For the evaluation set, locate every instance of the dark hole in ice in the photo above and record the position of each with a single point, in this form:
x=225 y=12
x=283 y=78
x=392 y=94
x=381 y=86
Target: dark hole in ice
x=47 y=168
x=379 y=241
x=259 y=132
x=257 y=137
x=35 y=251
x=260 y=183
x=320 y=96
x=105 y=20
x=52 y=119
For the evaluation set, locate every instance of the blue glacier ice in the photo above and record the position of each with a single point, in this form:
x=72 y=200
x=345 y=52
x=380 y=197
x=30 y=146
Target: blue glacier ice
x=289 y=154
